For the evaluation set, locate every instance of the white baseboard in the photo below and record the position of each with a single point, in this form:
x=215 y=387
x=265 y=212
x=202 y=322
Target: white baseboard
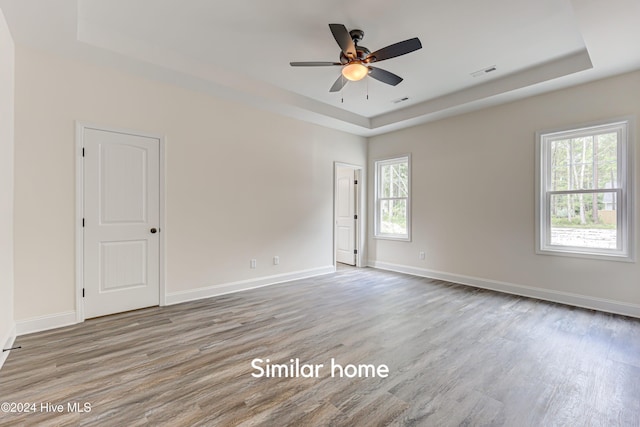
x=59 y=320
x=7 y=342
x=593 y=303
x=43 y=323
x=243 y=285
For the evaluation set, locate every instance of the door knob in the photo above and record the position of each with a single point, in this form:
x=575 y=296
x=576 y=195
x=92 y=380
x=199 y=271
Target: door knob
x=153 y=230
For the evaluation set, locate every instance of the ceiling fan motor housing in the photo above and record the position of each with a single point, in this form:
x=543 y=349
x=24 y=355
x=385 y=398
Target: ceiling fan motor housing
x=361 y=53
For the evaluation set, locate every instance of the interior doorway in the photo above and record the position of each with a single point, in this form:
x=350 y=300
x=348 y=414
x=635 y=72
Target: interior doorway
x=347 y=215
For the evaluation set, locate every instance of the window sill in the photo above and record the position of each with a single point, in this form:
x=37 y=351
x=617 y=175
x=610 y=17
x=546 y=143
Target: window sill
x=584 y=253
x=397 y=238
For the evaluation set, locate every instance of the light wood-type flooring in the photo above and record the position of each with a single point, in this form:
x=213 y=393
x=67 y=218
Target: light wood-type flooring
x=456 y=356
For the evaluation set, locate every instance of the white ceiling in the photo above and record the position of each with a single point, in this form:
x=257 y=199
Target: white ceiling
x=241 y=49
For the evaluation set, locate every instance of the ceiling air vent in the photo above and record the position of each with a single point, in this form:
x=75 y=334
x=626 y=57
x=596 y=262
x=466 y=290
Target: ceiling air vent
x=483 y=71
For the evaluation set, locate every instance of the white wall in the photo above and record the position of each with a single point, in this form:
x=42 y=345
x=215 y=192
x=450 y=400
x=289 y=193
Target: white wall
x=6 y=184
x=240 y=183
x=473 y=199
x=244 y=183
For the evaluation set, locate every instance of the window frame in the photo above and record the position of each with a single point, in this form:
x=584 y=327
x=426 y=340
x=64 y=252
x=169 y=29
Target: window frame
x=625 y=250
x=377 y=165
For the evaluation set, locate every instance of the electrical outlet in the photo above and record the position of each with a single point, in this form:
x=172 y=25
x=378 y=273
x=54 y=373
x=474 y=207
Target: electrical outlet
x=254 y=263
x=421 y=255
x=276 y=260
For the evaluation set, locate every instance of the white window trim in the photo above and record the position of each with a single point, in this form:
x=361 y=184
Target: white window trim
x=625 y=215
x=376 y=211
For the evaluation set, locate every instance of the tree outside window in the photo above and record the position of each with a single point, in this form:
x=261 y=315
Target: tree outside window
x=392 y=198
x=584 y=198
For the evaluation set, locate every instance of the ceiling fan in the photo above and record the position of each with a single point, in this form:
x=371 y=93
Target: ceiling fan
x=355 y=59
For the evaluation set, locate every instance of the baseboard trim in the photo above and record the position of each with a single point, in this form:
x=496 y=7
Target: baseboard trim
x=7 y=342
x=44 y=323
x=59 y=320
x=593 y=303
x=243 y=285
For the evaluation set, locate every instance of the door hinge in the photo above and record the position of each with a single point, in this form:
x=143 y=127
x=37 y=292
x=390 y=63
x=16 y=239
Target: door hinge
x=82 y=292
x=355 y=252
x=83 y=222
x=355 y=217
x=355 y=182
x=82 y=151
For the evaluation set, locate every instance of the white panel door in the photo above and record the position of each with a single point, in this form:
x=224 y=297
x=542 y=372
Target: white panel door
x=345 y=216
x=121 y=222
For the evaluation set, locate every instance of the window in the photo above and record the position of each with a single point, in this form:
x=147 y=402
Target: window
x=392 y=193
x=584 y=196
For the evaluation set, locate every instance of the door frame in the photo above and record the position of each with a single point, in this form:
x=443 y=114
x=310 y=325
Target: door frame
x=359 y=207
x=79 y=229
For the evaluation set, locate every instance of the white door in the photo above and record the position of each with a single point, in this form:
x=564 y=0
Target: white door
x=345 y=215
x=121 y=222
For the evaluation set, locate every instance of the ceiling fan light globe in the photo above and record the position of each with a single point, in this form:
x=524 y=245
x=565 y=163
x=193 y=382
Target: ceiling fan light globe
x=355 y=71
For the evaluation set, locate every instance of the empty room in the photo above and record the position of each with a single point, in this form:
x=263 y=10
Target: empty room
x=359 y=213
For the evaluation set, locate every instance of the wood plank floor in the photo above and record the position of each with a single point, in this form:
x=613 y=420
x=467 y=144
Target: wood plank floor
x=456 y=356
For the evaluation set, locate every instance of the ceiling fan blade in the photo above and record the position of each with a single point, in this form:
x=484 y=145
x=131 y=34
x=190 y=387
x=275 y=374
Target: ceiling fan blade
x=338 y=84
x=313 y=64
x=344 y=40
x=397 y=49
x=384 y=76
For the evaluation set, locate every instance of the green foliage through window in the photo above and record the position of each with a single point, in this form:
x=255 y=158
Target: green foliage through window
x=584 y=190
x=392 y=198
